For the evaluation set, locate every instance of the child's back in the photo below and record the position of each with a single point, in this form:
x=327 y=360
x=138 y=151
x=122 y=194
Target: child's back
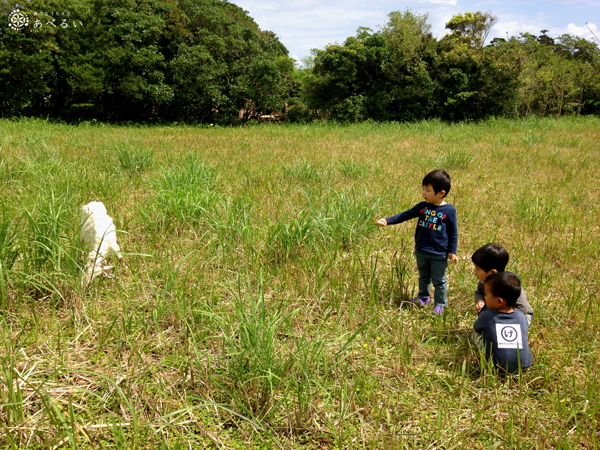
x=505 y=338
x=502 y=328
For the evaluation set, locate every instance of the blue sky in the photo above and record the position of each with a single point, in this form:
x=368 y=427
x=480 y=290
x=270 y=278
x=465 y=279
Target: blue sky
x=306 y=24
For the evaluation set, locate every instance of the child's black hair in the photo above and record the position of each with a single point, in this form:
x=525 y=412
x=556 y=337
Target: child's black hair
x=491 y=257
x=506 y=285
x=439 y=181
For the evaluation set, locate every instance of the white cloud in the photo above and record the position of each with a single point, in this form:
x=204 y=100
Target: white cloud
x=587 y=31
x=514 y=28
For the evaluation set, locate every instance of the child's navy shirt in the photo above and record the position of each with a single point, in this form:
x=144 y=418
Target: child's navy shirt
x=436 y=228
x=505 y=338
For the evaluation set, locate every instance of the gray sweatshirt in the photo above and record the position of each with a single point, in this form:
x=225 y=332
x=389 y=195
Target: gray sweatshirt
x=522 y=303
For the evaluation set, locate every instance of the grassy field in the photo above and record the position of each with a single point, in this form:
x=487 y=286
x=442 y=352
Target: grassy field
x=258 y=306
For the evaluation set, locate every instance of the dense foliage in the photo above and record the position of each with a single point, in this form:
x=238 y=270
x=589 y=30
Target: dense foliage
x=195 y=60
x=403 y=73
x=208 y=61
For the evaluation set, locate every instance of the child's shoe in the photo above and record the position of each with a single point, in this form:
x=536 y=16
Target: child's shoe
x=438 y=310
x=420 y=300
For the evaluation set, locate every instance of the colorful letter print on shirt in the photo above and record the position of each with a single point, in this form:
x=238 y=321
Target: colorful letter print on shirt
x=432 y=220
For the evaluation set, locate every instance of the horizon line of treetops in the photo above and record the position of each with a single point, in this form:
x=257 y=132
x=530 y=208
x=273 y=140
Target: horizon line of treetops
x=207 y=61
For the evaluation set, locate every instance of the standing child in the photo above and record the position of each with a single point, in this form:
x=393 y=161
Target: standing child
x=500 y=330
x=489 y=259
x=436 y=237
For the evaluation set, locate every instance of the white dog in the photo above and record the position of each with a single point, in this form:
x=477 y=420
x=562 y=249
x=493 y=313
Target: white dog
x=99 y=235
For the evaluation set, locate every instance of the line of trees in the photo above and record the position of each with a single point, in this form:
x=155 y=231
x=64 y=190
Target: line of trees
x=208 y=61
x=403 y=73
x=192 y=60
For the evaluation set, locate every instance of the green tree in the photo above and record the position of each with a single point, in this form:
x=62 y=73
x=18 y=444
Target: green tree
x=225 y=63
x=346 y=76
x=200 y=60
x=472 y=85
x=407 y=66
x=556 y=75
x=472 y=28
x=405 y=34
x=403 y=73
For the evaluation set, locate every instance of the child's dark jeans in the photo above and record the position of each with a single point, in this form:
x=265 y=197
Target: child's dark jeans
x=432 y=269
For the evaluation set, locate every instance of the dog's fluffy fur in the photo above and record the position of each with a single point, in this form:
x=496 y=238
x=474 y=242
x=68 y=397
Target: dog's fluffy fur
x=99 y=235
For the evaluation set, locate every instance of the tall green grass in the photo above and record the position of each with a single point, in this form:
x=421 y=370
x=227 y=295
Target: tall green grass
x=259 y=306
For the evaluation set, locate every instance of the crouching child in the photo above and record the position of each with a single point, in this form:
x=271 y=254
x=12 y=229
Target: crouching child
x=489 y=259
x=500 y=330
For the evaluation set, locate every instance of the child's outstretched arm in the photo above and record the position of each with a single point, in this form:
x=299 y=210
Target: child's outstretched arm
x=401 y=217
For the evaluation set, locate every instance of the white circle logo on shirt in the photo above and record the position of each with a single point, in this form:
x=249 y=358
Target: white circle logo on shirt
x=509 y=333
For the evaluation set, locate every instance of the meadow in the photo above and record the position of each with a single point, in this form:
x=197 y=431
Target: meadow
x=258 y=306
